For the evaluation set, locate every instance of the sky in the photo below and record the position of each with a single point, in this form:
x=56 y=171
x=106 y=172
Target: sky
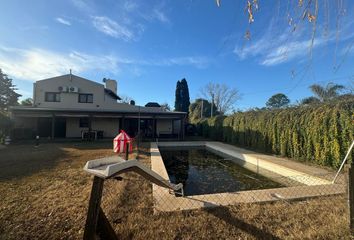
x=147 y=46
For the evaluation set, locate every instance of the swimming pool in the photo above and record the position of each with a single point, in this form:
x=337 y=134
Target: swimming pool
x=204 y=172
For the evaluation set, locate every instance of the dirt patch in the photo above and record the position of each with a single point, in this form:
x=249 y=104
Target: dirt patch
x=44 y=195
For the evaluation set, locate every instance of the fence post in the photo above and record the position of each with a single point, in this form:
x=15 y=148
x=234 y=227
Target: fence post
x=351 y=196
x=93 y=209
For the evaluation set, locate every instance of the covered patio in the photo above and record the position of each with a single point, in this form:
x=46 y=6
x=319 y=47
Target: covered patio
x=73 y=123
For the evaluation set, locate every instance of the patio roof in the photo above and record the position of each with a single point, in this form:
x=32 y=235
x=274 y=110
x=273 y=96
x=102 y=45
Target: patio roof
x=128 y=112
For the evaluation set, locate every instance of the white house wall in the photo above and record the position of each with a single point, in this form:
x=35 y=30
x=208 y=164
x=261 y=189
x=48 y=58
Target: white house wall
x=68 y=100
x=109 y=126
x=73 y=129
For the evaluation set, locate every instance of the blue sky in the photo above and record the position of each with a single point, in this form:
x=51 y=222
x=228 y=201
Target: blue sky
x=148 y=45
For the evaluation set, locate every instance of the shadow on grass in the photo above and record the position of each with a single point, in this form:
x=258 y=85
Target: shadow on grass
x=19 y=161
x=224 y=214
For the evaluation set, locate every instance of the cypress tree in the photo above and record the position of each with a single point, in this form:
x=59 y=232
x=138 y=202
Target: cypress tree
x=182 y=100
x=185 y=100
x=178 y=106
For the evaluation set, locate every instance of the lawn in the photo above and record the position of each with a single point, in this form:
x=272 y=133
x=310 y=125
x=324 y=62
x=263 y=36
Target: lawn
x=44 y=195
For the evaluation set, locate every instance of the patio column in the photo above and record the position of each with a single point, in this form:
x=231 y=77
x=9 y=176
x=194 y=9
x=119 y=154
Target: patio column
x=37 y=126
x=154 y=126
x=53 y=126
x=90 y=122
x=173 y=127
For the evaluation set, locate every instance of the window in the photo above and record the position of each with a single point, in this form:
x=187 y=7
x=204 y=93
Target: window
x=85 y=98
x=52 y=97
x=84 y=122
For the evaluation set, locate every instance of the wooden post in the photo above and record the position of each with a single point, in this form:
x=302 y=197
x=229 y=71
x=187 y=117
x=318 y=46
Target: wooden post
x=351 y=197
x=127 y=151
x=93 y=209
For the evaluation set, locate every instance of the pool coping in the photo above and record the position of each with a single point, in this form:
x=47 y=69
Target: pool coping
x=165 y=201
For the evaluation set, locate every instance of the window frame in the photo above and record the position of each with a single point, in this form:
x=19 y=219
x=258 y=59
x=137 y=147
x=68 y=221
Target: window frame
x=86 y=97
x=56 y=96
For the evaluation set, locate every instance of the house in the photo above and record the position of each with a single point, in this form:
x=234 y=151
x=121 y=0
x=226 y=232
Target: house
x=69 y=106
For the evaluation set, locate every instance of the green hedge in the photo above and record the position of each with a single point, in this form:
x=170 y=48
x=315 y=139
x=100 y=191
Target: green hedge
x=320 y=133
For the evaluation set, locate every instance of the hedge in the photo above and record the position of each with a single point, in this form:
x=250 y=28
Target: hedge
x=320 y=134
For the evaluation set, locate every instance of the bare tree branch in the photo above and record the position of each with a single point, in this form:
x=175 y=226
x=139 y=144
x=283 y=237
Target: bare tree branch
x=222 y=95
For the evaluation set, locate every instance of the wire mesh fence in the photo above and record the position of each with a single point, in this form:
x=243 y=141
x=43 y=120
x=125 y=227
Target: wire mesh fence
x=296 y=206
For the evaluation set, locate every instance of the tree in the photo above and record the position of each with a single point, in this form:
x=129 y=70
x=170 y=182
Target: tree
x=221 y=95
x=165 y=107
x=185 y=95
x=350 y=87
x=8 y=96
x=309 y=100
x=126 y=99
x=182 y=100
x=278 y=100
x=27 y=102
x=196 y=107
x=326 y=93
x=178 y=98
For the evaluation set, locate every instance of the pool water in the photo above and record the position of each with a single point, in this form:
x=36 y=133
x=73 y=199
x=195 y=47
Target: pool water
x=204 y=172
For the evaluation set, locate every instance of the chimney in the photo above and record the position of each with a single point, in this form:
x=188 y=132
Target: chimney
x=111 y=84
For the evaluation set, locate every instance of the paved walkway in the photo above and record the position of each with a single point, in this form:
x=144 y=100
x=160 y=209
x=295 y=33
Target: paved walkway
x=299 y=166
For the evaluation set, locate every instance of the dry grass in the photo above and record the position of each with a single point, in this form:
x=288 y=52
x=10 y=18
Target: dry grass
x=44 y=195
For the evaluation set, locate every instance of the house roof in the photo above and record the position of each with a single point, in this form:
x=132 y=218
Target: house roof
x=152 y=104
x=72 y=76
x=112 y=94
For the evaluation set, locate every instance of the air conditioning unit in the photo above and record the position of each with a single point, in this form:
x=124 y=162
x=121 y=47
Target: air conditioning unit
x=63 y=89
x=73 y=89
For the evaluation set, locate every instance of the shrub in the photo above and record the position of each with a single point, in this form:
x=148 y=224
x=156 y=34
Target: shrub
x=317 y=133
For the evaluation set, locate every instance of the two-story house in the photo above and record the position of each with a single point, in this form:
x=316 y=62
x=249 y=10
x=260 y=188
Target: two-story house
x=67 y=106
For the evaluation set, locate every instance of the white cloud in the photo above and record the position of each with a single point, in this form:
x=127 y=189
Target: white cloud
x=63 y=21
x=82 y=5
x=279 y=50
x=36 y=64
x=289 y=51
x=112 y=28
x=130 y=6
x=129 y=19
x=196 y=61
x=159 y=15
x=275 y=47
x=155 y=13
